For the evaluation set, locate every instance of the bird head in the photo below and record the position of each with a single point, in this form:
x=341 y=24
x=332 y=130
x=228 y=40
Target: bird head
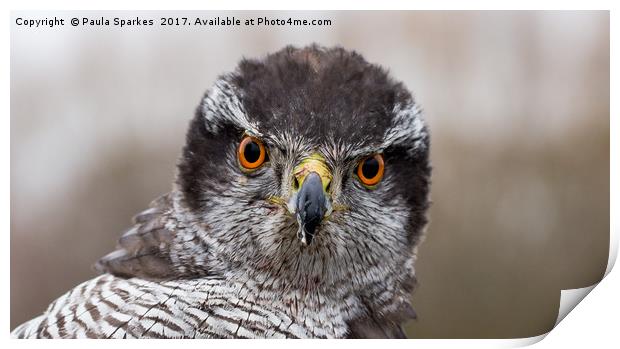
x=311 y=165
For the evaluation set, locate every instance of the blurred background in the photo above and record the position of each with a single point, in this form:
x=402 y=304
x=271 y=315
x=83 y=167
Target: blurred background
x=517 y=103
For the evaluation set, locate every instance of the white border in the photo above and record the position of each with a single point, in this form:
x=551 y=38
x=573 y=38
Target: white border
x=597 y=313
x=312 y=5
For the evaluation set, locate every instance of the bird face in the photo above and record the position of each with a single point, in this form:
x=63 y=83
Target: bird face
x=312 y=164
x=308 y=198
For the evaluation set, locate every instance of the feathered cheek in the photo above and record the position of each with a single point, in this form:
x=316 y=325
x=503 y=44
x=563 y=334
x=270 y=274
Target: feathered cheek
x=242 y=180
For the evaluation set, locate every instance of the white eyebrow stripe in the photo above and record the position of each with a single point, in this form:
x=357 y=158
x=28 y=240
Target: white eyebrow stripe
x=407 y=127
x=223 y=103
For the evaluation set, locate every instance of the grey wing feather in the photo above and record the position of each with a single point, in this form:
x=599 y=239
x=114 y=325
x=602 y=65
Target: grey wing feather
x=382 y=326
x=144 y=250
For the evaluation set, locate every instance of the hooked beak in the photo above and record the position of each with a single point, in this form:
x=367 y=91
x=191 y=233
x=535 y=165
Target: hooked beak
x=310 y=201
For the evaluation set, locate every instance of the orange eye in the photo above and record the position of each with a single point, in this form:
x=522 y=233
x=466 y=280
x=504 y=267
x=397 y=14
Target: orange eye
x=251 y=153
x=370 y=170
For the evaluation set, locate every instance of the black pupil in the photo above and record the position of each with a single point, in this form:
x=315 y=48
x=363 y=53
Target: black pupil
x=370 y=168
x=251 y=152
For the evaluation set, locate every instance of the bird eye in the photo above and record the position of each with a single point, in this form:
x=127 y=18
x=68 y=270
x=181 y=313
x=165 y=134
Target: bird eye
x=251 y=153
x=370 y=170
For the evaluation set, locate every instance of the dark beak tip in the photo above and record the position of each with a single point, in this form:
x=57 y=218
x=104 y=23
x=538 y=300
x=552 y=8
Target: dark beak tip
x=310 y=206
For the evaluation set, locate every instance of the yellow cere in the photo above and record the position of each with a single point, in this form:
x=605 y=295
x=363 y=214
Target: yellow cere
x=313 y=163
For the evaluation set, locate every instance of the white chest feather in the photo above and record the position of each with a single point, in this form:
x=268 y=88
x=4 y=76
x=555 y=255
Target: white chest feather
x=117 y=308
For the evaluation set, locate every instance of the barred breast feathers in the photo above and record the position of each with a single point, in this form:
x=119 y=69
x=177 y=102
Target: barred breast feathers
x=148 y=292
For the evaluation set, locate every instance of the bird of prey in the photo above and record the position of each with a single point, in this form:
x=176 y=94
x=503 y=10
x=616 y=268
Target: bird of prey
x=300 y=199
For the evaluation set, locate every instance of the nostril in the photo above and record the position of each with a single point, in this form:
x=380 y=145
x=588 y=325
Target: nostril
x=328 y=187
x=295 y=183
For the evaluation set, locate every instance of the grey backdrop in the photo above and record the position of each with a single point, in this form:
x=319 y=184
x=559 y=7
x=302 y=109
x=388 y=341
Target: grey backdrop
x=517 y=103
